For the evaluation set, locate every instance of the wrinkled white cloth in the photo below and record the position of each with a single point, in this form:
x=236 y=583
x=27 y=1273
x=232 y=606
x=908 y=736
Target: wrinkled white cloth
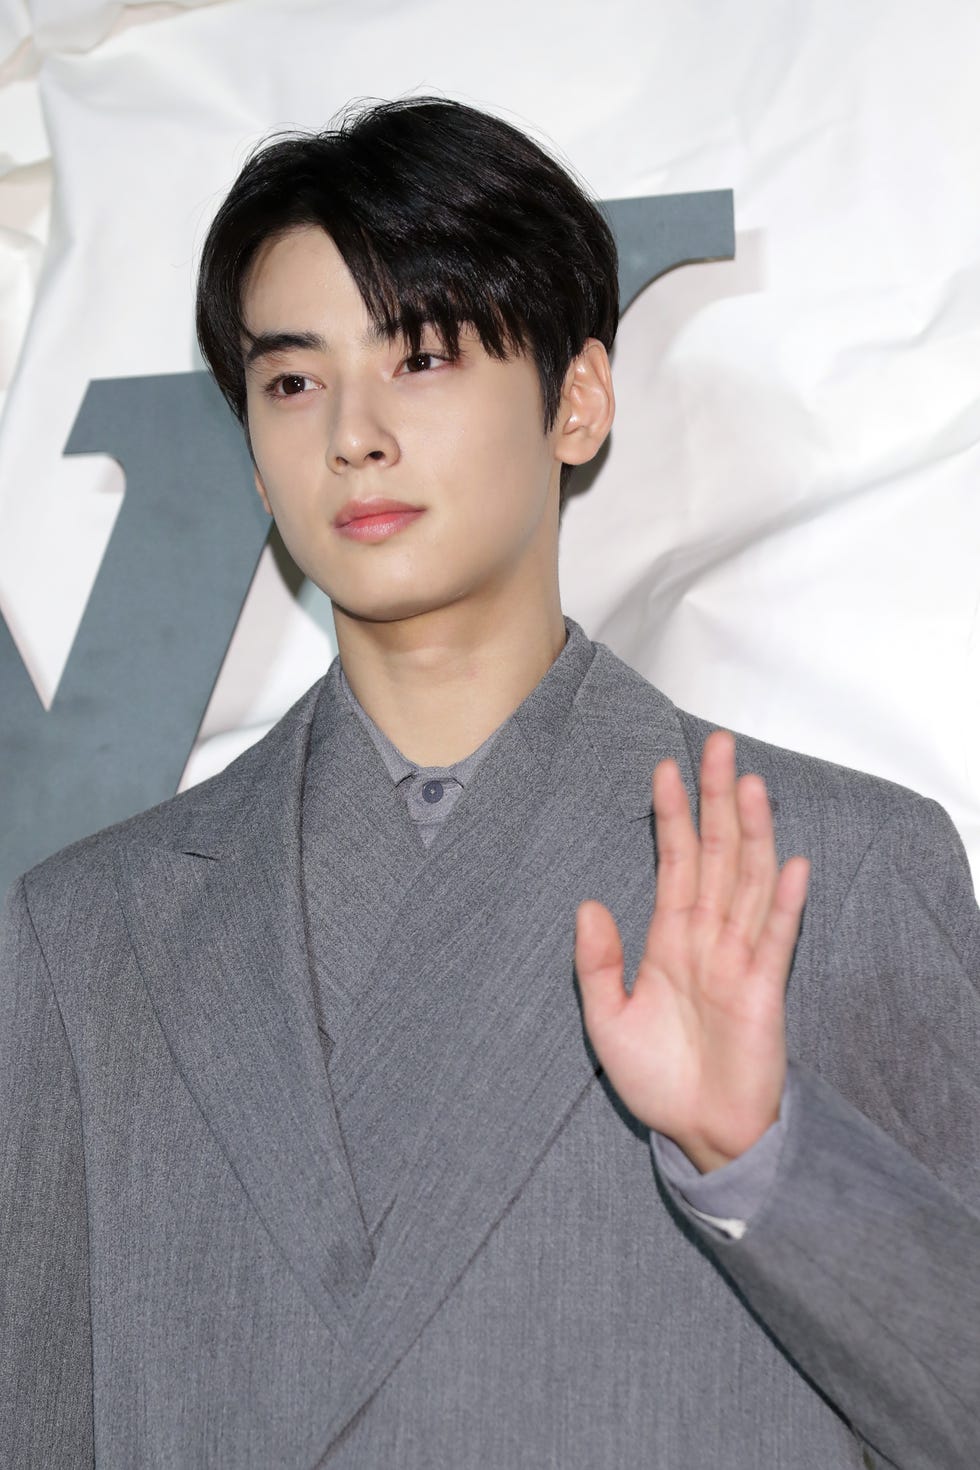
x=784 y=533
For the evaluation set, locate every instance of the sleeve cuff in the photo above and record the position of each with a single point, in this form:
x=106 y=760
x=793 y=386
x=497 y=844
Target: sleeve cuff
x=726 y=1197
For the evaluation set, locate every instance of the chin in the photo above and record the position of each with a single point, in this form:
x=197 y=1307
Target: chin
x=385 y=609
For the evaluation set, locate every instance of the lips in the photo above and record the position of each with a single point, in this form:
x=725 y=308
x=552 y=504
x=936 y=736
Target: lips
x=356 y=510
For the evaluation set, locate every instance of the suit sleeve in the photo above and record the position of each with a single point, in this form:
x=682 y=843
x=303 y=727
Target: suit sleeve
x=864 y=1259
x=45 y=1342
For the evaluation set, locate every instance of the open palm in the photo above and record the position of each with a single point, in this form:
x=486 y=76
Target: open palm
x=697 y=1050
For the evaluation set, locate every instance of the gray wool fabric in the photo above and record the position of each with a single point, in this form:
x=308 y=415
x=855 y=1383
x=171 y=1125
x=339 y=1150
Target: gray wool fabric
x=305 y=1159
x=725 y=1196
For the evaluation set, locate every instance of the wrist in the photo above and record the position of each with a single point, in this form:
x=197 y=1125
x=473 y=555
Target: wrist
x=703 y=1156
x=708 y=1153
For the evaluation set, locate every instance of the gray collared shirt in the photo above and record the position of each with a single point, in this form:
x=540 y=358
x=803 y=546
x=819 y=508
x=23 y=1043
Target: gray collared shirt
x=430 y=792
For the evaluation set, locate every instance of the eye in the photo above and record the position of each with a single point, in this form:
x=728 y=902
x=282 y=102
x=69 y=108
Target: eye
x=291 y=384
x=419 y=362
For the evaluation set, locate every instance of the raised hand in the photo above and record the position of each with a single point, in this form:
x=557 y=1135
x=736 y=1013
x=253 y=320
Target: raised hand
x=697 y=1050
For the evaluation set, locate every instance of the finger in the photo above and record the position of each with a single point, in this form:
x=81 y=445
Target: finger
x=599 y=965
x=719 y=826
x=774 y=950
x=757 y=867
x=676 y=839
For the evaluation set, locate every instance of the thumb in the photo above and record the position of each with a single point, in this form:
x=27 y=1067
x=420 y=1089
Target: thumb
x=599 y=965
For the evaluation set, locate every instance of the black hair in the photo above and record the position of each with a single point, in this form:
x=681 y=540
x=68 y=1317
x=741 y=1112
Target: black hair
x=443 y=214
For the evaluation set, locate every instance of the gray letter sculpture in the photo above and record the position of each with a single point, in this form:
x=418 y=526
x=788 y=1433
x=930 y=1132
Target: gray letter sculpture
x=176 y=573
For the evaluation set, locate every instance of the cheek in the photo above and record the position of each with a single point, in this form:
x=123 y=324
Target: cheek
x=281 y=460
x=502 y=454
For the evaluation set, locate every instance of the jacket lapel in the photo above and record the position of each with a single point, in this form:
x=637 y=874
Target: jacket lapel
x=360 y=852
x=488 y=931
x=214 y=913
x=419 y=988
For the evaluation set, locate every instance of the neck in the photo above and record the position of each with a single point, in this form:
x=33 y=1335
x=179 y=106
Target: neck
x=438 y=684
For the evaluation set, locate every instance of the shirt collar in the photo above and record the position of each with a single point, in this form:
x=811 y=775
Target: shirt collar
x=400 y=768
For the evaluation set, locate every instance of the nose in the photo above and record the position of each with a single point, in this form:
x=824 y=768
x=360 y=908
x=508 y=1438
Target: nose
x=358 y=434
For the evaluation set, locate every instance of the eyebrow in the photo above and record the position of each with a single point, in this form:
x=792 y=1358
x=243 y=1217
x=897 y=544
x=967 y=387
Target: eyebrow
x=267 y=344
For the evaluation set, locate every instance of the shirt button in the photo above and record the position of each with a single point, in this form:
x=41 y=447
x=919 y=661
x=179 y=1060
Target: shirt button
x=432 y=791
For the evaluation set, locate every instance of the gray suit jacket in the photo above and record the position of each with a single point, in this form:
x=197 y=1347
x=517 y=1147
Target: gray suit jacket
x=189 y=1274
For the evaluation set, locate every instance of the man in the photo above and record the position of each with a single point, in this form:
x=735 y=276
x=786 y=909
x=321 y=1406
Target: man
x=316 y=1152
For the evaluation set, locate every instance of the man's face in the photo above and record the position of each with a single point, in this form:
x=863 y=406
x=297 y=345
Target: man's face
x=354 y=418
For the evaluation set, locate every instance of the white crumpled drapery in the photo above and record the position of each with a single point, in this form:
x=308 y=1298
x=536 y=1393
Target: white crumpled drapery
x=785 y=533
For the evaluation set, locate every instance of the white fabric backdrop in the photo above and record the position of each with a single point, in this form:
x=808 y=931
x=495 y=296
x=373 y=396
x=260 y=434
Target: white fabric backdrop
x=786 y=533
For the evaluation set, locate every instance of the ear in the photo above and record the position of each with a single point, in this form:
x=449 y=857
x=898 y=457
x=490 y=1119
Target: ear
x=588 y=405
x=260 y=487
